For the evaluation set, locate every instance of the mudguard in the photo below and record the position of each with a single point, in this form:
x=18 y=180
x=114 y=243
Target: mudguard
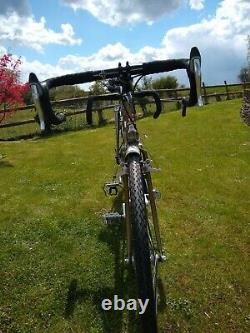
x=133 y=149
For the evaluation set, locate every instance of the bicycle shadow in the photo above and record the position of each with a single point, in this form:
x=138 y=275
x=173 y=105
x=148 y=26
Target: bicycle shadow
x=114 y=235
x=124 y=283
x=77 y=295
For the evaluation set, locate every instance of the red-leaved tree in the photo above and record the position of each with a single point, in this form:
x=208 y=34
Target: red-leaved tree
x=11 y=90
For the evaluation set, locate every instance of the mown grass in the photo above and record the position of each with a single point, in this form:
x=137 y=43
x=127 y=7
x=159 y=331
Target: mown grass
x=58 y=260
x=75 y=122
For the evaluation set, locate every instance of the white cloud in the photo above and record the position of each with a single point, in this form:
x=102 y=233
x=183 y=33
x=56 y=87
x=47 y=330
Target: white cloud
x=196 y=4
x=21 y=7
x=221 y=40
x=119 y=12
x=26 y=31
x=108 y=57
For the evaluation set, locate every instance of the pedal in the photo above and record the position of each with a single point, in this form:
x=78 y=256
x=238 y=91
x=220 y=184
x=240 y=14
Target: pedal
x=110 y=218
x=111 y=188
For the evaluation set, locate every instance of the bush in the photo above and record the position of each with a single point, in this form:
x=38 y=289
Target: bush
x=165 y=82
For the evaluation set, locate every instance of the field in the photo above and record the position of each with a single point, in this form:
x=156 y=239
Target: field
x=59 y=260
x=78 y=121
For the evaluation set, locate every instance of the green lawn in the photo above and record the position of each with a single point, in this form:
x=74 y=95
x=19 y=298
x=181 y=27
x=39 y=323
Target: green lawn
x=78 y=121
x=58 y=259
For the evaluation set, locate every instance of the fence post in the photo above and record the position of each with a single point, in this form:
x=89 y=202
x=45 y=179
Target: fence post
x=176 y=93
x=227 y=91
x=101 y=120
x=205 y=93
x=217 y=97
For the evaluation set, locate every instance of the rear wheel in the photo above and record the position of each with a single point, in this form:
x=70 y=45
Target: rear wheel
x=141 y=245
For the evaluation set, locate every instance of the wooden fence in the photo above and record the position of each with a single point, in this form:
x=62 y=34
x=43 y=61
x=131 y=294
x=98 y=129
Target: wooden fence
x=219 y=93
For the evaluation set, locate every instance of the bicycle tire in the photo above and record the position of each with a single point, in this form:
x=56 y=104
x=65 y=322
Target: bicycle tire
x=141 y=250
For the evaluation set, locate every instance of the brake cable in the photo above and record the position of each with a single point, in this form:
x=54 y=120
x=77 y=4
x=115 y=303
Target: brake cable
x=140 y=77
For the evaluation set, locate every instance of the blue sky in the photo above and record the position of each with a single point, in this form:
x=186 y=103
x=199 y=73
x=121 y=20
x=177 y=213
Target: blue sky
x=96 y=34
x=61 y=36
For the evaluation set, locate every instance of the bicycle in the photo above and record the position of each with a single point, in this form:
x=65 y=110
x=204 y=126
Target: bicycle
x=144 y=247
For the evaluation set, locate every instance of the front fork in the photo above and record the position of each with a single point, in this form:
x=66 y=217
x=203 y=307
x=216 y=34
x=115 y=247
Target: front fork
x=127 y=218
x=155 y=219
x=153 y=205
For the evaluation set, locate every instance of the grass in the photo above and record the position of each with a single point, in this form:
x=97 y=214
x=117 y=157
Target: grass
x=58 y=260
x=78 y=121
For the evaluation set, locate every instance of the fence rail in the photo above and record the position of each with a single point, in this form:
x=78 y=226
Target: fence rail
x=176 y=96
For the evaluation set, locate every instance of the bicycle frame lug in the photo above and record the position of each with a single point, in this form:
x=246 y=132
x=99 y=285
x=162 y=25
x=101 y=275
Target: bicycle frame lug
x=157 y=194
x=147 y=168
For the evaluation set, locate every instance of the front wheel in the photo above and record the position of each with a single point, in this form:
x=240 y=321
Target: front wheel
x=141 y=249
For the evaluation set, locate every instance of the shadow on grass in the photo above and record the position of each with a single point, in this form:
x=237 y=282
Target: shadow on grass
x=4 y=163
x=75 y=296
x=113 y=321
x=124 y=286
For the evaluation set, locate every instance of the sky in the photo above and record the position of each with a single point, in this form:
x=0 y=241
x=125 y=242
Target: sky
x=56 y=37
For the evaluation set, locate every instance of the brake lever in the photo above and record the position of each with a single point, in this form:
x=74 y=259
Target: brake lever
x=156 y=99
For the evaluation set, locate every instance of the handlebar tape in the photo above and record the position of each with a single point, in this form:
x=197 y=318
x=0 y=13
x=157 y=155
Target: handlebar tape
x=90 y=76
x=164 y=66
x=70 y=79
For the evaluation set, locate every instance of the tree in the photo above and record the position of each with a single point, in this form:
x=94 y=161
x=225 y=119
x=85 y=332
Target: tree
x=165 y=82
x=66 y=92
x=244 y=75
x=11 y=90
x=146 y=83
x=97 y=88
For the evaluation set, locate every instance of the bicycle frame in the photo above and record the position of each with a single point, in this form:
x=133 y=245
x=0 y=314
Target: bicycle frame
x=123 y=114
x=144 y=248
